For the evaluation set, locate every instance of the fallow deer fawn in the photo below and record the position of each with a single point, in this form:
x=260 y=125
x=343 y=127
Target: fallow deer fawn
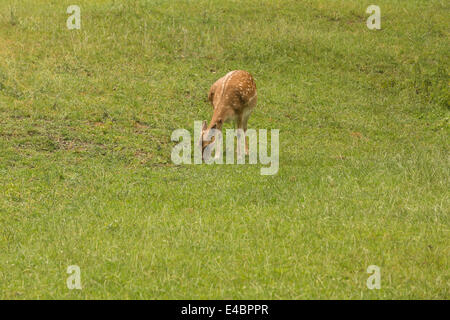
x=233 y=97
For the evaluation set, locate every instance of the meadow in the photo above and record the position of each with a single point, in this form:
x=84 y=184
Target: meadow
x=86 y=176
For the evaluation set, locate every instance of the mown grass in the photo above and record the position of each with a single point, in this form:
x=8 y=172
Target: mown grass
x=86 y=177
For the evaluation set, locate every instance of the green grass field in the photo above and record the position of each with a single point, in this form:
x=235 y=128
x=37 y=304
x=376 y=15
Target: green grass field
x=86 y=176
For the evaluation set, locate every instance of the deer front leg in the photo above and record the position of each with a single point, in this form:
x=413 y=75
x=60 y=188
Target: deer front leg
x=219 y=151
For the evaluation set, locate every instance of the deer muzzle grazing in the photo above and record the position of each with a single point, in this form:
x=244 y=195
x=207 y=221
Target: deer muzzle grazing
x=233 y=97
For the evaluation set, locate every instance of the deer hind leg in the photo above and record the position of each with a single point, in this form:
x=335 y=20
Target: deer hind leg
x=245 y=118
x=240 y=135
x=251 y=104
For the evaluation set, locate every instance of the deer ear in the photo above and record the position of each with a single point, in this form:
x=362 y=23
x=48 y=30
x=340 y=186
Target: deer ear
x=214 y=126
x=204 y=125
